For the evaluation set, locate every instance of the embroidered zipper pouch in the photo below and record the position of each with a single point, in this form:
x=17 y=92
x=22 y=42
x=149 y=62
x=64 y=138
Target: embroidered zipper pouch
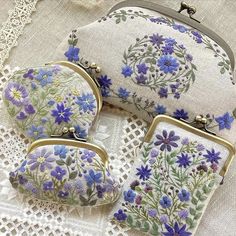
x=42 y=101
x=66 y=171
x=174 y=176
x=158 y=61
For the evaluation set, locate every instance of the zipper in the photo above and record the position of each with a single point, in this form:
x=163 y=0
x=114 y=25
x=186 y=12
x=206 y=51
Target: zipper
x=178 y=16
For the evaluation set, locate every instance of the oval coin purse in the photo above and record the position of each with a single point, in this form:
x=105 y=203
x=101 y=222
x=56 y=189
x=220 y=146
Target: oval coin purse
x=66 y=171
x=43 y=100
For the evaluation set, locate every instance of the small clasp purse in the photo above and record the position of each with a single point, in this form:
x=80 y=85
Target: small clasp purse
x=177 y=171
x=42 y=101
x=67 y=171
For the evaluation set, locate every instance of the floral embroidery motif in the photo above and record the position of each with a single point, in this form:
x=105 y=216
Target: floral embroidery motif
x=123 y=15
x=43 y=101
x=170 y=185
x=158 y=63
x=148 y=106
x=62 y=174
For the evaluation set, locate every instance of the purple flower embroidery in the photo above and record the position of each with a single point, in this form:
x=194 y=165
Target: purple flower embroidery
x=164 y=219
x=138 y=200
x=58 y=173
x=40 y=158
x=181 y=114
x=183 y=214
x=120 y=215
x=104 y=81
x=88 y=156
x=168 y=64
x=141 y=79
x=183 y=160
x=44 y=77
x=16 y=93
x=167 y=49
x=72 y=54
x=156 y=39
x=29 y=74
x=29 y=109
x=22 y=168
x=166 y=141
x=163 y=92
x=100 y=191
x=48 y=186
x=176 y=230
x=152 y=212
x=63 y=194
x=143 y=172
x=61 y=114
x=142 y=68
x=21 y=116
x=212 y=156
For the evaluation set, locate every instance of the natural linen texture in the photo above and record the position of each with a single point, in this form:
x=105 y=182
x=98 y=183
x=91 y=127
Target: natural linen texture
x=171 y=182
x=67 y=175
x=152 y=64
x=42 y=101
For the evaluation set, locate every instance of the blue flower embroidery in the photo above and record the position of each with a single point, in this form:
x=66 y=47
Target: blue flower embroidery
x=159 y=109
x=183 y=160
x=168 y=64
x=44 y=77
x=104 y=81
x=48 y=186
x=86 y=102
x=129 y=196
x=58 y=173
x=60 y=150
x=93 y=177
x=212 y=156
x=120 y=215
x=123 y=93
x=225 y=121
x=142 y=68
x=163 y=92
x=180 y=28
x=143 y=172
x=127 y=71
x=62 y=113
x=165 y=202
x=184 y=195
x=82 y=133
x=156 y=39
x=72 y=54
x=180 y=114
x=36 y=132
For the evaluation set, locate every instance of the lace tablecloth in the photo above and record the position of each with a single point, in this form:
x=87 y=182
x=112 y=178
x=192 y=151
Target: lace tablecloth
x=118 y=131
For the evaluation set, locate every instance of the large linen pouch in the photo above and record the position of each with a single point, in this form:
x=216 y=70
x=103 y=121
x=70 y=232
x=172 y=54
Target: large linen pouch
x=153 y=64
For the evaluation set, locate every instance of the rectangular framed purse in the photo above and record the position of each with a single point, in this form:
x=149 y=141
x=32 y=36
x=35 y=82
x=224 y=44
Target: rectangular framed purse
x=177 y=170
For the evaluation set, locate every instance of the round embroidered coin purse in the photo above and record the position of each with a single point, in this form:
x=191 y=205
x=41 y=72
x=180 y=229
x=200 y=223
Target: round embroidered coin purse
x=66 y=171
x=43 y=100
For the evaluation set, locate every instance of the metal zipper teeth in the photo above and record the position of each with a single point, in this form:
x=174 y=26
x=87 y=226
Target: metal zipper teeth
x=178 y=16
x=74 y=143
x=180 y=124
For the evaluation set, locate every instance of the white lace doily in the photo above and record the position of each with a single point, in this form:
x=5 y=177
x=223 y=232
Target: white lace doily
x=13 y=27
